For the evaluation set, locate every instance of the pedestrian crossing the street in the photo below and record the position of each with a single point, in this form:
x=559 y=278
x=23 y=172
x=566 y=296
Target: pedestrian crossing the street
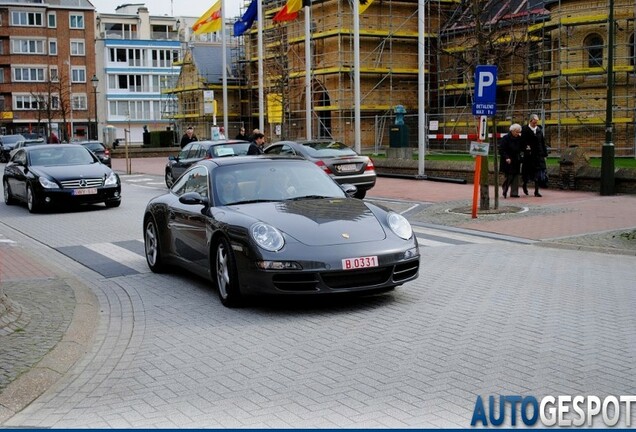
x=125 y=258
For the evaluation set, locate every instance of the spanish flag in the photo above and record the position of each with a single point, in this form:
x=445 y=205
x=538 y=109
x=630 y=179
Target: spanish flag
x=364 y=4
x=210 y=21
x=289 y=12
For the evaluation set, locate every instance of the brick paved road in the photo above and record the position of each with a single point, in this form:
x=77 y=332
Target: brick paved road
x=482 y=319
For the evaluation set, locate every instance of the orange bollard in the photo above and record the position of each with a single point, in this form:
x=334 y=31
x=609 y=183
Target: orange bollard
x=476 y=185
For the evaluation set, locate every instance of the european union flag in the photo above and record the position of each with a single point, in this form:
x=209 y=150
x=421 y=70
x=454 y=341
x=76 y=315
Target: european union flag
x=246 y=21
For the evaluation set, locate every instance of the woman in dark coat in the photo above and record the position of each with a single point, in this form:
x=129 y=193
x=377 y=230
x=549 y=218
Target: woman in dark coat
x=534 y=153
x=510 y=162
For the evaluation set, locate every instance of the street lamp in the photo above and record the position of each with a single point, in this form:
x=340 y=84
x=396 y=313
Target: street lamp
x=95 y=81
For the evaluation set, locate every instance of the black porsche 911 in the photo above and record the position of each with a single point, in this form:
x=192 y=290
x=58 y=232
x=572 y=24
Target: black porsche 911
x=276 y=225
x=47 y=175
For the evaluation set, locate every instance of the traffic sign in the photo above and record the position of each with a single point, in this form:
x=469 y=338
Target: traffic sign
x=485 y=90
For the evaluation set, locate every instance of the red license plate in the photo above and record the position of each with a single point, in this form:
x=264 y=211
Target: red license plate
x=87 y=191
x=360 y=262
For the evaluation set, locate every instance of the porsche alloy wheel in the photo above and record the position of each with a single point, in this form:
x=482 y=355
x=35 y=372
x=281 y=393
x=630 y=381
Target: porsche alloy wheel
x=226 y=275
x=152 y=246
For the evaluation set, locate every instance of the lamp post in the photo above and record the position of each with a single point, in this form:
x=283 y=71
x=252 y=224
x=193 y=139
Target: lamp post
x=607 y=154
x=95 y=81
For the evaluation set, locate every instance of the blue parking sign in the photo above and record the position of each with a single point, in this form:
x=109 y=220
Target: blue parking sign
x=485 y=100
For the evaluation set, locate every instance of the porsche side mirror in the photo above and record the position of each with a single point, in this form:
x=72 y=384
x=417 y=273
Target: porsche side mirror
x=193 y=198
x=349 y=189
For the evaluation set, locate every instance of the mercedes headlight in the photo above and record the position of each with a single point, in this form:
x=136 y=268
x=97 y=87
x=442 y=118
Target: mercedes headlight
x=111 y=179
x=399 y=225
x=47 y=184
x=267 y=237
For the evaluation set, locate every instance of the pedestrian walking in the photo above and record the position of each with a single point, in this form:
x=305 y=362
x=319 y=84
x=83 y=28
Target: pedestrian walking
x=534 y=153
x=510 y=163
x=188 y=137
x=256 y=147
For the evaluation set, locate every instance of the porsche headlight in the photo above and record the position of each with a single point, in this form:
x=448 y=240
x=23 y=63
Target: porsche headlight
x=47 y=184
x=111 y=179
x=399 y=225
x=267 y=237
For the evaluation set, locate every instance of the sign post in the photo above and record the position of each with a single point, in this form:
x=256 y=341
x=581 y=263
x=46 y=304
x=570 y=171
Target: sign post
x=484 y=106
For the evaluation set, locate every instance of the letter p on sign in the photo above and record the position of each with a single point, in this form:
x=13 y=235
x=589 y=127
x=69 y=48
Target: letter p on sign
x=486 y=79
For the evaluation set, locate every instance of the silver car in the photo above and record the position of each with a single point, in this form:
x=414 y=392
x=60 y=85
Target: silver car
x=338 y=160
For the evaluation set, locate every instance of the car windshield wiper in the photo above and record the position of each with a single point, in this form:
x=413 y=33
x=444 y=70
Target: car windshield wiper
x=252 y=201
x=308 y=197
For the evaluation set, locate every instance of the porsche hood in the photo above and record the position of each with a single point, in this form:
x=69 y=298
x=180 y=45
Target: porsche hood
x=320 y=222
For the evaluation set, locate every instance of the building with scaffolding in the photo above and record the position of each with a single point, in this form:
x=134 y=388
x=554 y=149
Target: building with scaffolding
x=551 y=57
x=569 y=75
x=199 y=89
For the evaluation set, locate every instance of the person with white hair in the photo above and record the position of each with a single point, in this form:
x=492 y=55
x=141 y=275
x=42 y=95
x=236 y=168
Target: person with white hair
x=534 y=153
x=510 y=160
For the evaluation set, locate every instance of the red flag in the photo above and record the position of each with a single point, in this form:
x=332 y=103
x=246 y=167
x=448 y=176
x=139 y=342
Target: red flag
x=289 y=12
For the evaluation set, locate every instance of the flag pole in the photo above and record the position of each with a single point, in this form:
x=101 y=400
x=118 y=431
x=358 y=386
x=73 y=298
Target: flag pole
x=421 y=97
x=356 y=75
x=224 y=65
x=308 y=93
x=261 y=104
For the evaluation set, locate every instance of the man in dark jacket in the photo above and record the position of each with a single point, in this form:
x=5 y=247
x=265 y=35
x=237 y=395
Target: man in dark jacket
x=510 y=161
x=534 y=153
x=188 y=137
x=256 y=147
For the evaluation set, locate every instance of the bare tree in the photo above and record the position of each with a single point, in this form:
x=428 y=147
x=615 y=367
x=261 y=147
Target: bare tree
x=487 y=32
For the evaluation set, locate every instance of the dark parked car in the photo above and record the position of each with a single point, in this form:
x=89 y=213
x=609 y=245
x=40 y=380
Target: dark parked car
x=100 y=150
x=338 y=160
x=28 y=142
x=7 y=142
x=276 y=225
x=46 y=175
x=199 y=150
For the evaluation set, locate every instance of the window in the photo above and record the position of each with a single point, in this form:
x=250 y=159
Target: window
x=53 y=47
x=135 y=57
x=594 y=48
x=78 y=48
x=632 y=50
x=30 y=19
x=76 y=21
x=25 y=102
x=120 y=31
x=54 y=74
x=161 y=58
x=133 y=83
x=51 y=19
x=27 y=74
x=26 y=46
x=1 y=77
x=55 y=103
x=195 y=180
x=78 y=75
x=79 y=102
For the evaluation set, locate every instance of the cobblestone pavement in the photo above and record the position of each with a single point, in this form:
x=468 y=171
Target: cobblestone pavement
x=380 y=363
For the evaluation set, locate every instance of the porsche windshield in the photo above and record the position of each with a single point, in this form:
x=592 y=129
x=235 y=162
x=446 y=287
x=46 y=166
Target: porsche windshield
x=272 y=181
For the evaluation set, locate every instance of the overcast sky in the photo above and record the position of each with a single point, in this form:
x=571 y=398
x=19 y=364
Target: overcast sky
x=194 y=8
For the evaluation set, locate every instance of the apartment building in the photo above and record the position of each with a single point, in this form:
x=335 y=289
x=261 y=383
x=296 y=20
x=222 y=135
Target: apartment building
x=47 y=60
x=138 y=55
